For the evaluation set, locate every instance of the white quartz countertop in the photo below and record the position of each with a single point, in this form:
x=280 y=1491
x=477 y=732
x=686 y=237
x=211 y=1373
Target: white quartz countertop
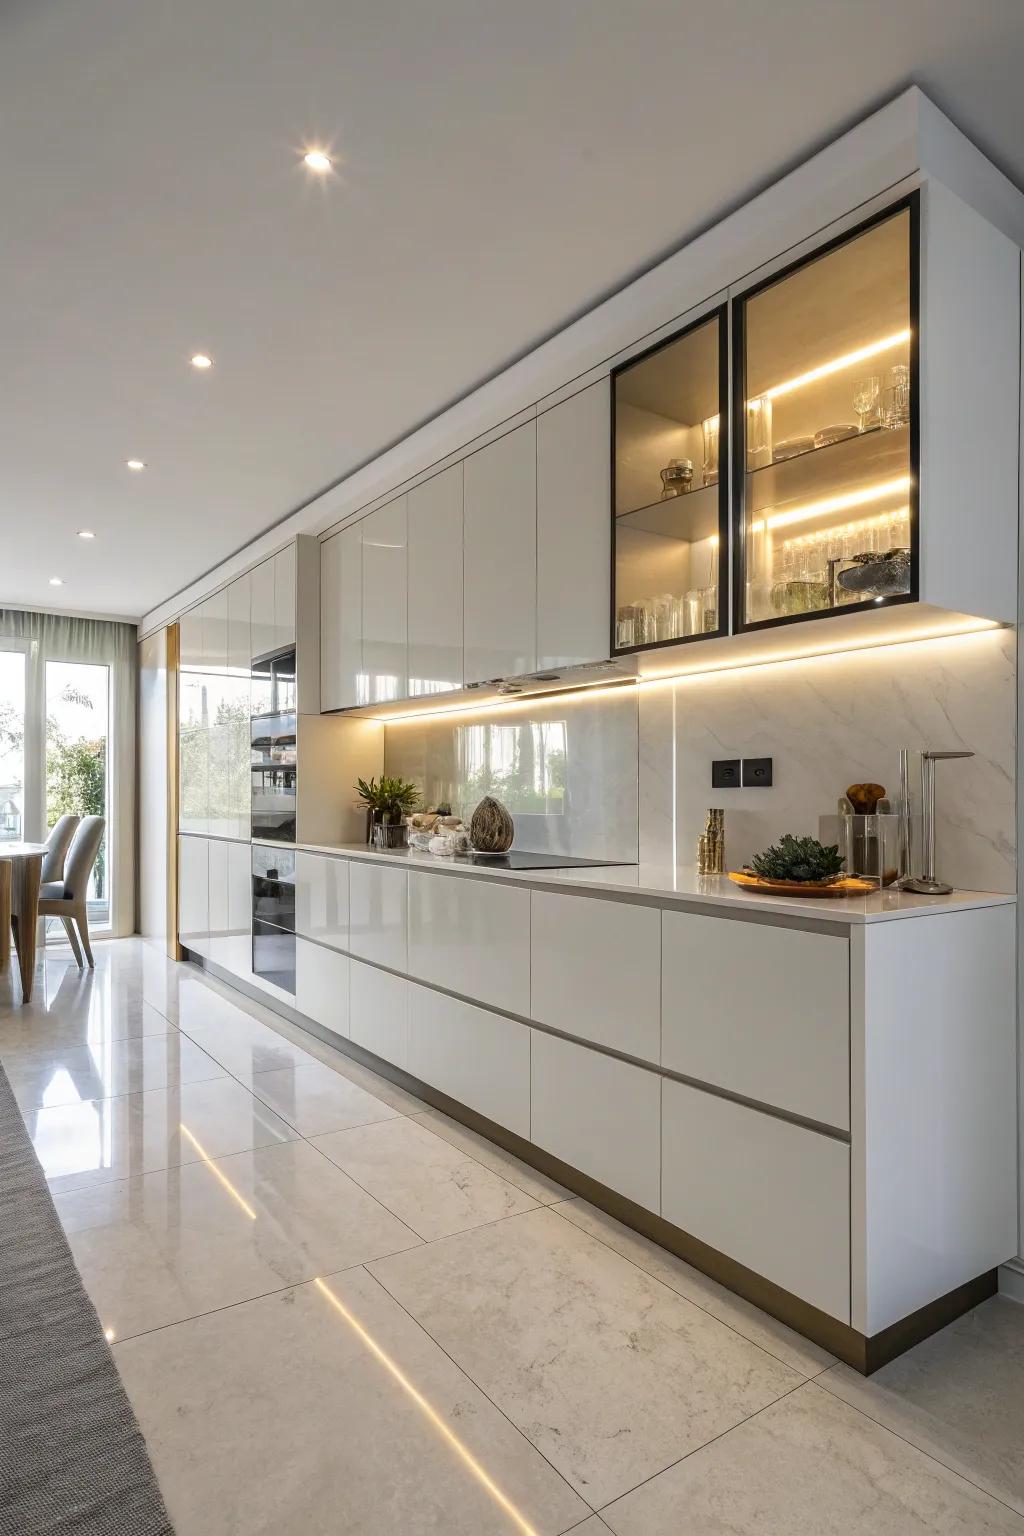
x=678 y=885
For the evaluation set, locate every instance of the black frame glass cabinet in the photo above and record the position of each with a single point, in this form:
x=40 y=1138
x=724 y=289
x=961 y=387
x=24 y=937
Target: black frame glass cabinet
x=670 y=489
x=826 y=441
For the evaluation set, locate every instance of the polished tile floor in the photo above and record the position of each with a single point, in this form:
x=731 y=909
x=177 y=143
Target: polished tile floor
x=339 y=1313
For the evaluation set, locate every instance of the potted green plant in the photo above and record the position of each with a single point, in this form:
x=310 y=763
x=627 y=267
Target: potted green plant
x=388 y=801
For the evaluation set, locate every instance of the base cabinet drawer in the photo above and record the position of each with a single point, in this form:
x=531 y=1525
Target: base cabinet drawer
x=770 y=1194
x=598 y=1114
x=321 y=898
x=378 y=1012
x=194 y=893
x=759 y=1010
x=477 y=1057
x=596 y=971
x=472 y=937
x=378 y=909
x=321 y=985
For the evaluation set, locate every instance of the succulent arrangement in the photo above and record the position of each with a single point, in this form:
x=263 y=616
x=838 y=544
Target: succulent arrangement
x=388 y=799
x=801 y=860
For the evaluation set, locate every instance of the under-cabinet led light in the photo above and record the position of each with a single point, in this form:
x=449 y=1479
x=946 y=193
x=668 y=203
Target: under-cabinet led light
x=844 y=503
x=848 y=359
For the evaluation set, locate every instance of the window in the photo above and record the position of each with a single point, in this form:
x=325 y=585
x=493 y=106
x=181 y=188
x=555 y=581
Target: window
x=77 y=730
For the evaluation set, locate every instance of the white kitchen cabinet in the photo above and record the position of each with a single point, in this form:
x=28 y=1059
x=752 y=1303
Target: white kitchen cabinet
x=596 y=969
x=760 y=1010
x=500 y=552
x=321 y=898
x=215 y=631
x=471 y=936
x=385 y=621
x=600 y=1115
x=574 y=529
x=284 y=597
x=194 y=894
x=321 y=985
x=770 y=1194
x=378 y=1012
x=190 y=640
x=435 y=584
x=378 y=910
x=264 y=624
x=342 y=679
x=240 y=889
x=477 y=1057
x=239 y=627
x=217 y=856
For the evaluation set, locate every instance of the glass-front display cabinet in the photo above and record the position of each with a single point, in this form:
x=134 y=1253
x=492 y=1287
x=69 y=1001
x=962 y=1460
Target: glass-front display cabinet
x=670 y=490
x=825 y=379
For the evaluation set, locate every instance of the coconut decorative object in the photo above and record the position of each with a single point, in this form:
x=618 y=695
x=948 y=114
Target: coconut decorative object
x=491 y=829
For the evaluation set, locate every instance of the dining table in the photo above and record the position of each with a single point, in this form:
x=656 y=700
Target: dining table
x=26 y=872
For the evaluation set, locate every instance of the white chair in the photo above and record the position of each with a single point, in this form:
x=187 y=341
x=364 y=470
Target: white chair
x=57 y=845
x=66 y=898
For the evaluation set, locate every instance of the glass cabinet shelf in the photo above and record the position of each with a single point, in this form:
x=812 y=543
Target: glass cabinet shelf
x=826 y=396
x=669 y=489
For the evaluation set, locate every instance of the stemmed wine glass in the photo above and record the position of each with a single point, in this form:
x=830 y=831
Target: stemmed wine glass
x=865 y=398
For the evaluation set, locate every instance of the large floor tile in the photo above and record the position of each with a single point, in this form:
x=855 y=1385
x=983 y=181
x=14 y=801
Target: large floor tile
x=595 y=1526
x=284 y=1417
x=37 y=1033
x=612 y=1375
x=246 y=1048
x=316 y=1099
x=540 y=1188
x=166 y=1246
x=782 y=1342
x=99 y=1140
x=431 y=1185
x=959 y=1396
x=68 y=1076
x=806 y=1466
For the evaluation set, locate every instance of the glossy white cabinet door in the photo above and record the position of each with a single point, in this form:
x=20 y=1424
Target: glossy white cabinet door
x=264 y=625
x=471 y=936
x=321 y=985
x=385 y=621
x=240 y=889
x=759 y=1010
x=500 y=574
x=597 y=971
x=342 y=680
x=190 y=640
x=321 y=898
x=770 y=1194
x=435 y=584
x=574 y=529
x=240 y=651
x=378 y=1012
x=477 y=1057
x=598 y=1114
x=194 y=893
x=217 y=854
x=284 y=596
x=378 y=903
x=215 y=631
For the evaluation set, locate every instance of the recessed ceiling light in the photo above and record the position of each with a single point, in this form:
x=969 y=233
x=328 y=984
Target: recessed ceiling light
x=86 y=533
x=135 y=463
x=200 y=360
x=317 y=160
x=56 y=581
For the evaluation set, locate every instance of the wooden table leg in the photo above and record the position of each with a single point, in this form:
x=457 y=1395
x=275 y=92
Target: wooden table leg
x=25 y=903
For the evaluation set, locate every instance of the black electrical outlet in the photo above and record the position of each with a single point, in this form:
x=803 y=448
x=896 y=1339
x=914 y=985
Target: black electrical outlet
x=757 y=772
x=725 y=773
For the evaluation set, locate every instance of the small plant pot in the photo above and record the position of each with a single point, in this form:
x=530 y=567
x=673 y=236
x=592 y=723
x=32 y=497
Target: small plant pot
x=390 y=834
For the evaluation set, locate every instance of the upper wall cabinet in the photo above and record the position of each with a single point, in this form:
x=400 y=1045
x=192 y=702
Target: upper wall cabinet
x=342 y=678
x=385 y=619
x=435 y=584
x=272 y=589
x=500 y=573
x=827 y=397
x=284 y=597
x=573 y=557
x=240 y=652
x=670 y=495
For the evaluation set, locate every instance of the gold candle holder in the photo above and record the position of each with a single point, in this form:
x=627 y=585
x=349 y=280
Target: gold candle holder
x=711 y=844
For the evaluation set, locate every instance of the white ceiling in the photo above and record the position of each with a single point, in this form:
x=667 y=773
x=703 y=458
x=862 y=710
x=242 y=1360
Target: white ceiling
x=503 y=166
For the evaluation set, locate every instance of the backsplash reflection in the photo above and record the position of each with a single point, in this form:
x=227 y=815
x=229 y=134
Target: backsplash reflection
x=565 y=768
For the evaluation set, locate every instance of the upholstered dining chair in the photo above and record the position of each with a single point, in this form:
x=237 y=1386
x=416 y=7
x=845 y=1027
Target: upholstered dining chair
x=6 y=873
x=57 y=845
x=66 y=898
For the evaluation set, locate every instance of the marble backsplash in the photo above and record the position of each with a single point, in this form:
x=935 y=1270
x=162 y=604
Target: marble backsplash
x=623 y=774
x=832 y=721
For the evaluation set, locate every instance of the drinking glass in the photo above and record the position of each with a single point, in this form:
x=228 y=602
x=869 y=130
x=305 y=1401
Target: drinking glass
x=865 y=399
x=896 y=409
x=759 y=432
x=694 y=612
x=710 y=430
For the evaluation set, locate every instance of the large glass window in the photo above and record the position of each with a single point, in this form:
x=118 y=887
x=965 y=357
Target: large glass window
x=77 y=734
x=12 y=744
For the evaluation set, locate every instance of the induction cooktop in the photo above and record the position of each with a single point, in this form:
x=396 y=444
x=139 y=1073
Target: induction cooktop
x=515 y=858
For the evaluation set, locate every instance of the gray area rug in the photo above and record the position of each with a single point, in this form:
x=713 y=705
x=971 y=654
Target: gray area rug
x=72 y=1458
